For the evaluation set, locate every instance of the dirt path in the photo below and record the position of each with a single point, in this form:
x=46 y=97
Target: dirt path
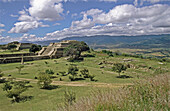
x=95 y=84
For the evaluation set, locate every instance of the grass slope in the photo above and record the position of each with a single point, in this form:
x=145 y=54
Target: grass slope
x=49 y=99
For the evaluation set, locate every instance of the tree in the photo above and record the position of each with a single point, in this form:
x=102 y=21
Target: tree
x=11 y=46
x=69 y=98
x=49 y=71
x=2 y=80
x=85 y=73
x=19 y=68
x=14 y=89
x=74 y=50
x=73 y=71
x=35 y=48
x=44 y=80
x=119 y=67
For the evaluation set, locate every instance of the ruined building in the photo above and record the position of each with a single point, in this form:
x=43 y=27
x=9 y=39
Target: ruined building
x=55 y=50
x=20 y=46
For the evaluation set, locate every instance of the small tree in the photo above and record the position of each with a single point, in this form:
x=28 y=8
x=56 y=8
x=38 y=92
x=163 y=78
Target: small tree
x=2 y=80
x=11 y=46
x=20 y=68
x=69 y=98
x=44 y=80
x=74 y=50
x=73 y=71
x=14 y=89
x=119 y=67
x=85 y=73
x=49 y=71
x=35 y=48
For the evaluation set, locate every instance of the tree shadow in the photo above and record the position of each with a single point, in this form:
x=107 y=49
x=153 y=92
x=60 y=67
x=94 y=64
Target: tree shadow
x=22 y=99
x=79 y=79
x=124 y=76
x=29 y=86
x=51 y=87
x=24 y=73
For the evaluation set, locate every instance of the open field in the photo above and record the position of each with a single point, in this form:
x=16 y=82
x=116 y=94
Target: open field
x=42 y=99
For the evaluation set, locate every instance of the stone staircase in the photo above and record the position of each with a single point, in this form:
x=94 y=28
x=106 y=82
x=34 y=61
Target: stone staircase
x=48 y=50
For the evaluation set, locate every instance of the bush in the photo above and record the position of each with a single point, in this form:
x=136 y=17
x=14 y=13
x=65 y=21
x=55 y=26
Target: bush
x=69 y=98
x=71 y=78
x=49 y=71
x=85 y=73
x=63 y=73
x=119 y=67
x=92 y=77
x=14 y=89
x=44 y=80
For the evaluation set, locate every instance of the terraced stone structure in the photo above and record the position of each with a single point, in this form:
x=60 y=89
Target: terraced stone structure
x=21 y=46
x=55 y=50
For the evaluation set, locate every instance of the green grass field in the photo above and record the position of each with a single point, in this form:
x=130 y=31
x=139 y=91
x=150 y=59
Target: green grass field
x=48 y=100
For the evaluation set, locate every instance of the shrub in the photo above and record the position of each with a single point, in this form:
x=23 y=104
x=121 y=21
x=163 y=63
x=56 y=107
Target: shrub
x=19 y=68
x=119 y=67
x=73 y=71
x=85 y=73
x=63 y=73
x=69 y=98
x=92 y=77
x=14 y=89
x=44 y=80
x=49 y=71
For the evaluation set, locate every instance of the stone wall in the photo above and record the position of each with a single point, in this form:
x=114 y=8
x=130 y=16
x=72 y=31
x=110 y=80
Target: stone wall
x=16 y=55
x=18 y=59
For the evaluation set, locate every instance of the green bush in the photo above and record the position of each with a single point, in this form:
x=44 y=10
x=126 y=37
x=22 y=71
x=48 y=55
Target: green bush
x=49 y=71
x=44 y=80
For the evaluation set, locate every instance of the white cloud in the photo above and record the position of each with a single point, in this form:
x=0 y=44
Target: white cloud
x=8 y=0
x=122 y=20
x=46 y=9
x=12 y=15
x=140 y=2
x=84 y=23
x=2 y=25
x=56 y=24
x=109 y=0
x=26 y=23
x=25 y=26
x=2 y=30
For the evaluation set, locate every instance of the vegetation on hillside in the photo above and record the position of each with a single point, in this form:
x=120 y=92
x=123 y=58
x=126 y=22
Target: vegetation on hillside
x=56 y=82
x=144 y=95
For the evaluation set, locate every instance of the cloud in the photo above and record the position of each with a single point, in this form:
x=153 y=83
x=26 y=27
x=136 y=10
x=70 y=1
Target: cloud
x=2 y=25
x=56 y=24
x=25 y=26
x=2 y=30
x=140 y=2
x=13 y=15
x=124 y=20
x=109 y=0
x=26 y=23
x=50 y=10
x=8 y=0
x=84 y=23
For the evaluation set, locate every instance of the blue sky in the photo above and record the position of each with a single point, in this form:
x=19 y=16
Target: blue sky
x=38 y=20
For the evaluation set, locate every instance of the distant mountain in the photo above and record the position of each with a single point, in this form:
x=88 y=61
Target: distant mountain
x=103 y=41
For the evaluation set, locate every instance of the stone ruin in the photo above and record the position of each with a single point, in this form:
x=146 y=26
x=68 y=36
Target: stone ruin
x=54 y=50
x=20 y=46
